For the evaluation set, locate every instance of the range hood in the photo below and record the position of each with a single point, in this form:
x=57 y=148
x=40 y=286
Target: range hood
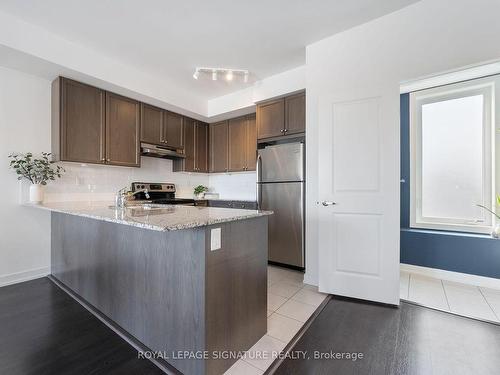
x=156 y=151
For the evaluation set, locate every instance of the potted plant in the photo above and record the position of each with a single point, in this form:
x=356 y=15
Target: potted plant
x=496 y=229
x=199 y=191
x=38 y=171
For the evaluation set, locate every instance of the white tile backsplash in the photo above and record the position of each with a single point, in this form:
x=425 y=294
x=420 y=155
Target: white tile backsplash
x=83 y=182
x=100 y=182
x=239 y=185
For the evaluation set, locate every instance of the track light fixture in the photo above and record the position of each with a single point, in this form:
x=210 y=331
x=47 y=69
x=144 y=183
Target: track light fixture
x=229 y=74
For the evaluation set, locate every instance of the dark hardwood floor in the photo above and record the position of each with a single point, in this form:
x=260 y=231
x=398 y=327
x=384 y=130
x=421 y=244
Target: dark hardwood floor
x=44 y=331
x=408 y=340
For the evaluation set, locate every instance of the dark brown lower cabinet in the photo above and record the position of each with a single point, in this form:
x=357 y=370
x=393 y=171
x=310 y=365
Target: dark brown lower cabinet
x=123 y=123
x=195 y=148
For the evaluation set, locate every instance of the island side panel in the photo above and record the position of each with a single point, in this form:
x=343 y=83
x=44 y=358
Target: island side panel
x=150 y=283
x=236 y=289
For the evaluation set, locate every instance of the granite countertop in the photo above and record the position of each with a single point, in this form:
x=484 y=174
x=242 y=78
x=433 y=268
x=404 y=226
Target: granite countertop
x=153 y=216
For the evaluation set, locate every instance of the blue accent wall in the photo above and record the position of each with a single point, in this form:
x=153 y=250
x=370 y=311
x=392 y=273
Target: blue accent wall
x=474 y=254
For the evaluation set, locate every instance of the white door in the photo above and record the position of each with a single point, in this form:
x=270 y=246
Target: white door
x=359 y=195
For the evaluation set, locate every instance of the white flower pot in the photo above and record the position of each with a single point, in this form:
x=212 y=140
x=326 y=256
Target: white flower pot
x=36 y=193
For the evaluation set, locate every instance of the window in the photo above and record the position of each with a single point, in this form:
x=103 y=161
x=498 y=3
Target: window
x=452 y=157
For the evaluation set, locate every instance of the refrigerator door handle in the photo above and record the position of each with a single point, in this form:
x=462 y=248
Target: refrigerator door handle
x=257 y=170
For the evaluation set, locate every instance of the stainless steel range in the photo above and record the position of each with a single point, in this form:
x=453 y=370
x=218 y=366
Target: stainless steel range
x=159 y=193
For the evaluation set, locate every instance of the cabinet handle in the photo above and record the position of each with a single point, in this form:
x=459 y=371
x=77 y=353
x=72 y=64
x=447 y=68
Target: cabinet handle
x=108 y=160
x=282 y=130
x=285 y=130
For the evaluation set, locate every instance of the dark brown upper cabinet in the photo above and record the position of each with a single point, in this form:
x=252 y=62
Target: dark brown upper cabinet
x=201 y=147
x=123 y=125
x=90 y=125
x=279 y=117
x=187 y=164
x=78 y=122
x=251 y=143
x=195 y=140
x=295 y=114
x=271 y=119
x=151 y=124
x=218 y=146
x=233 y=145
x=173 y=130
x=238 y=132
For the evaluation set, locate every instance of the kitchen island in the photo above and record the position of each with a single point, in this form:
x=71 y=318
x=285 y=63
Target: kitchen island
x=164 y=276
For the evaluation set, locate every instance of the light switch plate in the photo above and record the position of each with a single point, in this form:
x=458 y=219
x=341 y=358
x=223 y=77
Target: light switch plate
x=215 y=239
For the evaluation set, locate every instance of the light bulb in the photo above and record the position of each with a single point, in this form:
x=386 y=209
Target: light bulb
x=229 y=75
x=214 y=75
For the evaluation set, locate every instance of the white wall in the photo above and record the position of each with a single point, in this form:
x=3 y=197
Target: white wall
x=238 y=186
x=25 y=126
x=423 y=39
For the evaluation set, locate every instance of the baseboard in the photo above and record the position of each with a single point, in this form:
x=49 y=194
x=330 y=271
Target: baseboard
x=458 y=277
x=19 y=277
x=310 y=279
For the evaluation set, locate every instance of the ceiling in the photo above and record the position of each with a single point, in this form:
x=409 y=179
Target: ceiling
x=171 y=38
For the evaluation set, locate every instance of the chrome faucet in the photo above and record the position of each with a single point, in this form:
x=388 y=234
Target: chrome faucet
x=122 y=195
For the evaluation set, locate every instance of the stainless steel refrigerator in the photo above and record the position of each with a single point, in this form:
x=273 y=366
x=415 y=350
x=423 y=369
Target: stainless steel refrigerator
x=280 y=188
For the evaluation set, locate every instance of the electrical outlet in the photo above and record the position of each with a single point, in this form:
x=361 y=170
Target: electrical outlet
x=215 y=239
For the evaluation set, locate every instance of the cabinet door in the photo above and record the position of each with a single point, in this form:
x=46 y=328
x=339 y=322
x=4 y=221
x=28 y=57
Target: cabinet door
x=188 y=164
x=201 y=147
x=295 y=114
x=151 y=124
x=173 y=129
x=251 y=158
x=237 y=144
x=82 y=119
x=271 y=119
x=122 y=130
x=218 y=147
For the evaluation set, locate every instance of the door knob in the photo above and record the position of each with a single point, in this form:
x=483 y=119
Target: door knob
x=328 y=203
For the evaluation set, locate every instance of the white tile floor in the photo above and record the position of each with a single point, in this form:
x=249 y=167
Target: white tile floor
x=463 y=299
x=290 y=303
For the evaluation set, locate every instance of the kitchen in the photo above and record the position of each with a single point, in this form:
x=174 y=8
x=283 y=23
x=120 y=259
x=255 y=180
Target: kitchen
x=266 y=145
x=228 y=190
